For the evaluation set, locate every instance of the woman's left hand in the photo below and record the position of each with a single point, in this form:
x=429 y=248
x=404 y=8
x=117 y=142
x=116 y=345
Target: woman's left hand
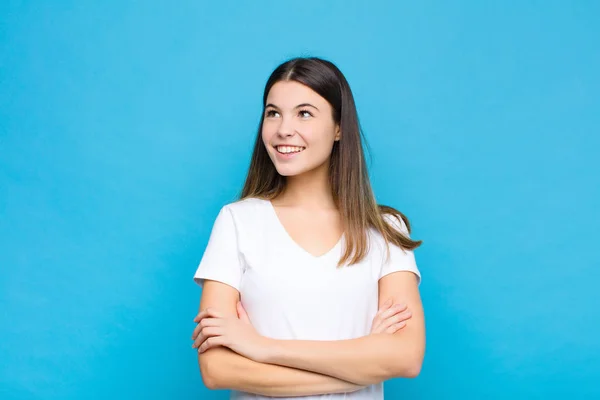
x=215 y=329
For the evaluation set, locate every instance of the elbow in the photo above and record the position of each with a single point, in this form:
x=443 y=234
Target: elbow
x=209 y=382
x=413 y=369
x=405 y=367
x=208 y=371
x=414 y=363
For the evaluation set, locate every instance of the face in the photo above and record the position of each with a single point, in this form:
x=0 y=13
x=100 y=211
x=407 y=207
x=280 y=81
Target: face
x=298 y=128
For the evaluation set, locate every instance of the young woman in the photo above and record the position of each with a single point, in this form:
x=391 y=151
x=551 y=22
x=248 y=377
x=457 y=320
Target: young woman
x=309 y=288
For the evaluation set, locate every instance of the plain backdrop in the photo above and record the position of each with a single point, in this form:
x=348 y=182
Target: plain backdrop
x=126 y=125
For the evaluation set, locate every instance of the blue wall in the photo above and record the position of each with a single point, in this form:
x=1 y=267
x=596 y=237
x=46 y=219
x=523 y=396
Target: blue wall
x=124 y=126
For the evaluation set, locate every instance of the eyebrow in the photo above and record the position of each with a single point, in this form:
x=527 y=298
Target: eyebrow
x=298 y=106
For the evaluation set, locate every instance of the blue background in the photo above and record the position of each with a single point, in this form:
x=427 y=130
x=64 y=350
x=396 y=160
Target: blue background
x=125 y=126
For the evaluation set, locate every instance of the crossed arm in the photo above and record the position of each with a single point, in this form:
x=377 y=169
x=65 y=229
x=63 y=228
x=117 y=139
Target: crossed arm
x=300 y=368
x=222 y=368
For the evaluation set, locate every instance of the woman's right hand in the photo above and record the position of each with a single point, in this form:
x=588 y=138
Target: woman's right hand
x=390 y=318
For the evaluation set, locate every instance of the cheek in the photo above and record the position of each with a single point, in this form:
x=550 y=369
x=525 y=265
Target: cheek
x=270 y=127
x=266 y=135
x=319 y=140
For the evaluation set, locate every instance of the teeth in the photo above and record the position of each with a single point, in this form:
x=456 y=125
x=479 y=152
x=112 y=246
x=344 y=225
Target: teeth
x=289 y=149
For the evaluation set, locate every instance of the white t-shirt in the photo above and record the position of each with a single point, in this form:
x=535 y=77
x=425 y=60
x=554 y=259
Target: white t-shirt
x=291 y=294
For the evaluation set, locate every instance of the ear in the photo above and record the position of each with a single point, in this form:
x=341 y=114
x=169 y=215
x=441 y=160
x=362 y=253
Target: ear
x=338 y=134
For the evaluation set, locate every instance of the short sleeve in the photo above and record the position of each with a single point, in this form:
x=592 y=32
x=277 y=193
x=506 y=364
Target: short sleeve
x=399 y=259
x=221 y=259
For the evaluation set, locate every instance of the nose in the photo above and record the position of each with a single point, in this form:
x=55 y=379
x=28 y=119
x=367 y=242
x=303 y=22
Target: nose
x=286 y=128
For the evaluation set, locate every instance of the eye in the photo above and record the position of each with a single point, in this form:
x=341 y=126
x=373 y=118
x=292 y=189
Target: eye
x=271 y=113
x=305 y=113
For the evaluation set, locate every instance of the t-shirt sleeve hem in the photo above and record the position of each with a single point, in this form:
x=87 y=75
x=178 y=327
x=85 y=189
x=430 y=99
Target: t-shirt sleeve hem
x=200 y=279
x=414 y=271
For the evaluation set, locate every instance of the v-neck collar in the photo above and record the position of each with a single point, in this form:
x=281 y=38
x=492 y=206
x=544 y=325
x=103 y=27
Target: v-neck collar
x=295 y=244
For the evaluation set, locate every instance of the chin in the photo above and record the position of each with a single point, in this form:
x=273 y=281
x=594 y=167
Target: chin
x=287 y=171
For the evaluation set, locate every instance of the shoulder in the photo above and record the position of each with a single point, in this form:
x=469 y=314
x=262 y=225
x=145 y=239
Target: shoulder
x=246 y=214
x=377 y=242
x=397 y=222
x=245 y=207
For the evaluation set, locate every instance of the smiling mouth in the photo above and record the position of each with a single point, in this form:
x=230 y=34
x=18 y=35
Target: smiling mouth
x=289 y=149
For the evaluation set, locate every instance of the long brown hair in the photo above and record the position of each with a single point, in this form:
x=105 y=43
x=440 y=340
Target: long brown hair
x=349 y=180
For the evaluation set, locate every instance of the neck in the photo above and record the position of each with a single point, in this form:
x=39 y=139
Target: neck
x=311 y=190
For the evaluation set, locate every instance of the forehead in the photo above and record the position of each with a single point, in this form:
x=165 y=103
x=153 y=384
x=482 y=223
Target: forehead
x=288 y=94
